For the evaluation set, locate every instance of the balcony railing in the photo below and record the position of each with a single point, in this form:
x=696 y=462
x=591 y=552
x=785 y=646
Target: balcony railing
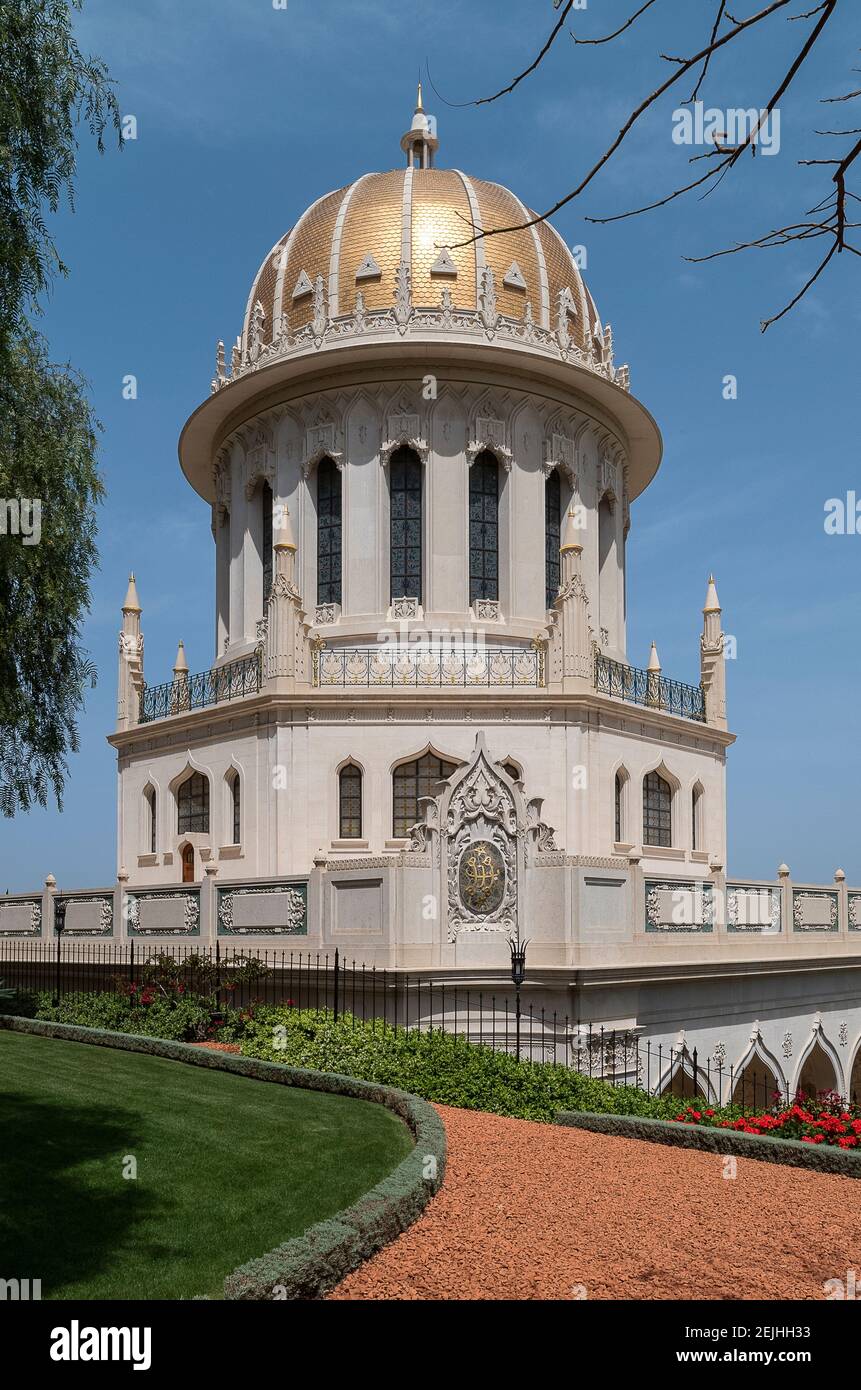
x=423 y=666
x=649 y=688
x=227 y=682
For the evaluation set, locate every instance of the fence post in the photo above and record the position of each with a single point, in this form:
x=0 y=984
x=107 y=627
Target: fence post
x=131 y=960
x=695 y=1072
x=337 y=964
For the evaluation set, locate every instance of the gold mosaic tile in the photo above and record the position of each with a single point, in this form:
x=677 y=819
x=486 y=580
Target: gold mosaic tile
x=372 y=224
x=310 y=252
x=441 y=217
x=499 y=209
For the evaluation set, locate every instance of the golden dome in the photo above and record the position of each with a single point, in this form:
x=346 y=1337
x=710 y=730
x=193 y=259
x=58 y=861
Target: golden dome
x=352 y=242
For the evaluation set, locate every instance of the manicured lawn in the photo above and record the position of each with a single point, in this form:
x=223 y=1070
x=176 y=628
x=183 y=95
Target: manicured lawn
x=227 y=1168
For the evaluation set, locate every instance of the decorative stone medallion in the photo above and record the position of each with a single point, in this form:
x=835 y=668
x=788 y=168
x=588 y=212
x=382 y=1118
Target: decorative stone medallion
x=481 y=877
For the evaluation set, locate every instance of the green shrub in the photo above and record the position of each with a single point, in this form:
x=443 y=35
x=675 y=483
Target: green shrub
x=438 y=1066
x=180 y=1019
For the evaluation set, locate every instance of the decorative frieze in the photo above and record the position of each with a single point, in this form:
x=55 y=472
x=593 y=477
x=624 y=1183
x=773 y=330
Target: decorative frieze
x=674 y=906
x=22 y=917
x=814 y=910
x=85 y=916
x=270 y=910
x=172 y=913
x=752 y=908
x=854 y=902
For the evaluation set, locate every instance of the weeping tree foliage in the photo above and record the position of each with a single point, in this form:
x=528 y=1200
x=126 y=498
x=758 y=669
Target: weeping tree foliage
x=49 y=480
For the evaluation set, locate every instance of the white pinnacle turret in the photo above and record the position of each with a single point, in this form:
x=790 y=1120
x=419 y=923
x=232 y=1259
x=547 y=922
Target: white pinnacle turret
x=132 y=603
x=180 y=666
x=654 y=663
x=712 y=603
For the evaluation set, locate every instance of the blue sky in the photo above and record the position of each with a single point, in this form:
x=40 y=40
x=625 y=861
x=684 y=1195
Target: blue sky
x=246 y=114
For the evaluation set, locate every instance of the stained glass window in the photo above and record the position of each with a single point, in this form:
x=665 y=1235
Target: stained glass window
x=350 y=802
x=411 y=782
x=266 y=541
x=192 y=802
x=484 y=528
x=552 y=535
x=657 y=810
x=405 y=490
x=328 y=532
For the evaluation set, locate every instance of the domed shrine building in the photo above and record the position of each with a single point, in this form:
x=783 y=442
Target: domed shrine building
x=420 y=733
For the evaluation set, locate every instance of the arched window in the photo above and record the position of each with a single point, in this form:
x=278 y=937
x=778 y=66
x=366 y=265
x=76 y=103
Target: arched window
x=697 y=817
x=552 y=536
x=192 y=804
x=619 y=809
x=607 y=579
x=350 y=802
x=411 y=782
x=484 y=528
x=236 y=806
x=266 y=541
x=405 y=492
x=657 y=810
x=512 y=770
x=150 y=833
x=328 y=532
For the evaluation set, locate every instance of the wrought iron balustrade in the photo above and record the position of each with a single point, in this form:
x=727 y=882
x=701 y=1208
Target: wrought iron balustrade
x=649 y=688
x=424 y=666
x=212 y=687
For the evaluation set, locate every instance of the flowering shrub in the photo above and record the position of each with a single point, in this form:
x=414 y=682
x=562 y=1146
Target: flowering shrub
x=827 y=1119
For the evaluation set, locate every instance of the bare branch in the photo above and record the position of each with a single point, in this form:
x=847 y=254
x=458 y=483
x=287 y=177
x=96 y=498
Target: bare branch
x=608 y=38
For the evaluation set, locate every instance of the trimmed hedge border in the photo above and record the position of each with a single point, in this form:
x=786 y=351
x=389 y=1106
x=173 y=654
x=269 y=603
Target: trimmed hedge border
x=310 y=1265
x=818 y=1157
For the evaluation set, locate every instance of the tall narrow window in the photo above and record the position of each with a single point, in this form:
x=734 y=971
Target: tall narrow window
x=619 y=794
x=328 y=532
x=192 y=802
x=657 y=810
x=266 y=540
x=410 y=783
x=696 y=817
x=405 y=489
x=484 y=528
x=350 y=802
x=149 y=796
x=236 y=807
x=552 y=535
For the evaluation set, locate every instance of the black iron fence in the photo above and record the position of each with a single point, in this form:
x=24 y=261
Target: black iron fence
x=649 y=688
x=426 y=665
x=363 y=995
x=228 y=682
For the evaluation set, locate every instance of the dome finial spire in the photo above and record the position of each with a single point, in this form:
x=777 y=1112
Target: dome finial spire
x=420 y=141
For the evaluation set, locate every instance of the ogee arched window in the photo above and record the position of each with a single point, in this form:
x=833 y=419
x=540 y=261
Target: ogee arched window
x=484 y=528
x=328 y=532
x=405 y=493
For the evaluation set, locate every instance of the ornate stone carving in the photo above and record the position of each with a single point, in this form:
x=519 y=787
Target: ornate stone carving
x=320 y=321
x=403 y=296
x=814 y=911
x=559 y=453
x=843 y=1034
x=482 y=833
x=404 y=429
x=321 y=440
x=190 y=915
x=486 y=610
x=291 y=909
x=259 y=463
x=489 y=434
x=786 y=1045
x=325 y=613
x=487 y=301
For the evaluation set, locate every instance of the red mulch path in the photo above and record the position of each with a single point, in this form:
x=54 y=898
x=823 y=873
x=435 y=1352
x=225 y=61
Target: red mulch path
x=218 y=1047
x=530 y=1211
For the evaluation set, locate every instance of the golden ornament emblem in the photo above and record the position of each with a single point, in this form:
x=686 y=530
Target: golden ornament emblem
x=481 y=877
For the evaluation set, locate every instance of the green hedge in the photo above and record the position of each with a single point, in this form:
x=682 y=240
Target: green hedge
x=441 y=1067
x=310 y=1265
x=183 y=1018
x=823 y=1158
